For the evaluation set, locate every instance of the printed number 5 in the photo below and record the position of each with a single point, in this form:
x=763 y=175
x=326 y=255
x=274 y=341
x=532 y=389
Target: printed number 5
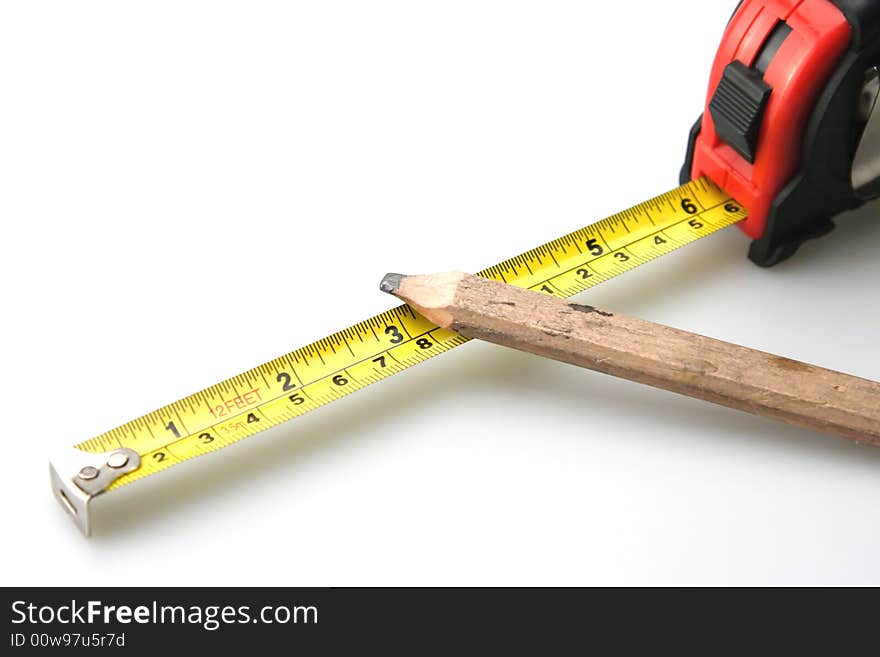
x=594 y=247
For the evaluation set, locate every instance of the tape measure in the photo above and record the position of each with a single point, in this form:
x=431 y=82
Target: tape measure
x=374 y=349
x=791 y=128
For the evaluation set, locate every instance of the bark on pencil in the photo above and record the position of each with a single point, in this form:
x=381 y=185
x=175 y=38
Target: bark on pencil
x=660 y=356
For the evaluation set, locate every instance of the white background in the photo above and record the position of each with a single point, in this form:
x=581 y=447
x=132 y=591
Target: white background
x=188 y=189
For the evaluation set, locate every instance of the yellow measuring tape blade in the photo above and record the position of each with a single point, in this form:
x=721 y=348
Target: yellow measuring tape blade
x=390 y=342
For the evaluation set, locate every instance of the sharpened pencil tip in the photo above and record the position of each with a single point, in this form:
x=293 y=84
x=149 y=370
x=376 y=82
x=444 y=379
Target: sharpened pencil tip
x=391 y=283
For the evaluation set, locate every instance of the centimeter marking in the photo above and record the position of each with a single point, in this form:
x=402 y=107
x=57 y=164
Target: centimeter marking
x=390 y=342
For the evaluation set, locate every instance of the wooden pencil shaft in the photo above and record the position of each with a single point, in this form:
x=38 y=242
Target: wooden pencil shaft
x=645 y=352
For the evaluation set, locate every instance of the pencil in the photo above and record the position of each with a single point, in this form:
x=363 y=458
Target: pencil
x=694 y=365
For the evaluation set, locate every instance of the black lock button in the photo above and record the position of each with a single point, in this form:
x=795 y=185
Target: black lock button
x=737 y=108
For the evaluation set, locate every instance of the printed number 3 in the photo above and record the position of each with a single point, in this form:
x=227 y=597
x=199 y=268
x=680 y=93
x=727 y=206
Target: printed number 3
x=394 y=332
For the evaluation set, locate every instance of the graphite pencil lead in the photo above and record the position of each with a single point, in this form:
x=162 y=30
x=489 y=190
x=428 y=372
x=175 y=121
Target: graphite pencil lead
x=391 y=283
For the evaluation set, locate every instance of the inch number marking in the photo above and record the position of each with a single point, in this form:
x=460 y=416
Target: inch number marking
x=394 y=332
x=284 y=379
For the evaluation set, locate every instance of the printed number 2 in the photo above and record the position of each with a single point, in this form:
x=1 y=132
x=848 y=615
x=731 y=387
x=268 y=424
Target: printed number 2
x=284 y=379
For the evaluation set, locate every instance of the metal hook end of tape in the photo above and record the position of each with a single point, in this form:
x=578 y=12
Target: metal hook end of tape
x=77 y=477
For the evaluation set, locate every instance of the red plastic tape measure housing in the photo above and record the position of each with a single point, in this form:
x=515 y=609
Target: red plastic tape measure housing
x=780 y=66
x=797 y=73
